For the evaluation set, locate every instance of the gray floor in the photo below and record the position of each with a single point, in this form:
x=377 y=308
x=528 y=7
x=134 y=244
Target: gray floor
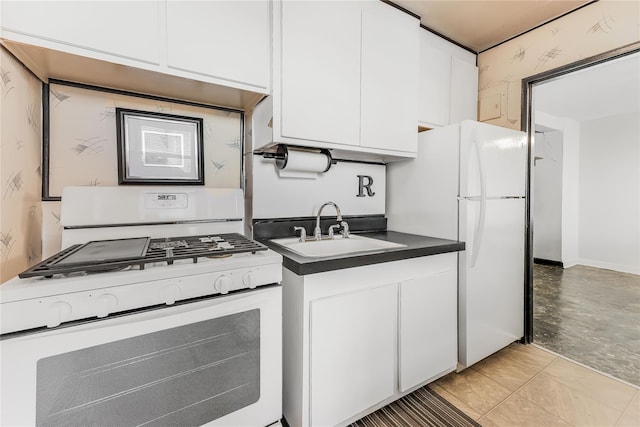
x=590 y=315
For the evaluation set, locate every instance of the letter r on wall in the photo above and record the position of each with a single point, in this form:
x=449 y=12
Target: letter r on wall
x=364 y=183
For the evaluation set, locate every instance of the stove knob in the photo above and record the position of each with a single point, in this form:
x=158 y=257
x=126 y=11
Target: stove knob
x=107 y=303
x=57 y=313
x=249 y=280
x=170 y=294
x=223 y=284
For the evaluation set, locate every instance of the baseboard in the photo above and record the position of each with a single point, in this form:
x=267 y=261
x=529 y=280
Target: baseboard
x=548 y=262
x=609 y=266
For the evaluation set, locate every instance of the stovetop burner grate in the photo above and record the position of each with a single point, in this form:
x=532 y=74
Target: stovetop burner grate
x=160 y=250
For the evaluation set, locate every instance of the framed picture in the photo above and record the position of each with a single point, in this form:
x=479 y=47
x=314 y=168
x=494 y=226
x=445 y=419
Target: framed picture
x=157 y=148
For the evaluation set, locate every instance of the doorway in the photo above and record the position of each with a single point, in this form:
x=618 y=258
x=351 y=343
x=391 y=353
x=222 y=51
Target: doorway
x=583 y=252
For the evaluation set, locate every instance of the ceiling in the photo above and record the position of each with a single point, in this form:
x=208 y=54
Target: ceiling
x=613 y=88
x=480 y=24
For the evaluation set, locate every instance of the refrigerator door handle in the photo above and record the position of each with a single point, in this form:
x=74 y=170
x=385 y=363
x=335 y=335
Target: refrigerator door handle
x=477 y=240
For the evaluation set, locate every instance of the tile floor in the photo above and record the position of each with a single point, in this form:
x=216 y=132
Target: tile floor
x=590 y=315
x=525 y=385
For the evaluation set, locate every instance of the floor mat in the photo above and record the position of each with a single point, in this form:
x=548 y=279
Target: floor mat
x=423 y=407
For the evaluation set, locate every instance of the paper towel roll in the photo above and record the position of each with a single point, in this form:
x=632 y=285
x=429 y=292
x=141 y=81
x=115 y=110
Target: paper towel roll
x=303 y=161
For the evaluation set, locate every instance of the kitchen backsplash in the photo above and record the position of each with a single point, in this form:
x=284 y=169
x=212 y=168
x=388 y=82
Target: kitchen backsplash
x=357 y=188
x=83 y=134
x=82 y=151
x=20 y=214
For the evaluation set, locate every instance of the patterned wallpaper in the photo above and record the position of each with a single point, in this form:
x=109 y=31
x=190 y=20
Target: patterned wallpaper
x=83 y=134
x=83 y=148
x=594 y=29
x=20 y=136
x=82 y=152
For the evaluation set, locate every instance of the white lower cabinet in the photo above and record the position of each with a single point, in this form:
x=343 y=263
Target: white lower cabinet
x=352 y=336
x=428 y=342
x=359 y=338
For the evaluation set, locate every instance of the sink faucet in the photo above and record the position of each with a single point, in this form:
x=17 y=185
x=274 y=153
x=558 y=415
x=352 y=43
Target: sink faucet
x=317 y=232
x=303 y=233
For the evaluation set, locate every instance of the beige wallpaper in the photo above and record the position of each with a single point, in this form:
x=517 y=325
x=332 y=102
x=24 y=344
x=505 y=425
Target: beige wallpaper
x=20 y=136
x=82 y=152
x=594 y=29
x=83 y=147
x=83 y=137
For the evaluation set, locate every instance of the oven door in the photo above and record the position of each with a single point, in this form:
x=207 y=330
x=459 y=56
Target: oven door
x=214 y=362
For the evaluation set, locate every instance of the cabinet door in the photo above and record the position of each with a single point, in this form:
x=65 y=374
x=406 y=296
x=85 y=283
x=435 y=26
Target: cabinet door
x=320 y=71
x=229 y=40
x=390 y=66
x=434 y=83
x=428 y=324
x=128 y=29
x=352 y=347
x=464 y=90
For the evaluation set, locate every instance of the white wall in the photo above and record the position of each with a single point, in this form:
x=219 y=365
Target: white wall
x=570 y=184
x=278 y=197
x=609 y=221
x=547 y=195
x=600 y=193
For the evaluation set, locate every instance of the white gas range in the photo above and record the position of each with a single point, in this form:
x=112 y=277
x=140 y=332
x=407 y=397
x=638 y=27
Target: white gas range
x=163 y=285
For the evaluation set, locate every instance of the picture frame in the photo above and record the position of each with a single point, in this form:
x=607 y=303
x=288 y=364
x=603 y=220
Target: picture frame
x=159 y=149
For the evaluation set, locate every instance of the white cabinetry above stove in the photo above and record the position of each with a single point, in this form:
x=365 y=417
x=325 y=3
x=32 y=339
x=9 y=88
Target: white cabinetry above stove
x=221 y=40
x=129 y=30
x=344 y=78
x=215 y=52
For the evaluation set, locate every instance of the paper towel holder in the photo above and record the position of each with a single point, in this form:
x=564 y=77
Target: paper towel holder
x=281 y=155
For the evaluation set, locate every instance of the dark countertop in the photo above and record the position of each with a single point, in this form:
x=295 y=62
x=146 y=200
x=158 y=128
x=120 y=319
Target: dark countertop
x=416 y=246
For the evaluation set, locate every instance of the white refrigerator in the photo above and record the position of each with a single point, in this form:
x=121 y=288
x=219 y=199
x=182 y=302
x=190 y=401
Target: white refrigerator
x=468 y=183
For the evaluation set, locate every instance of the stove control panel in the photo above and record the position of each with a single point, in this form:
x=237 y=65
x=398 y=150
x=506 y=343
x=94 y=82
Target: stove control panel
x=53 y=310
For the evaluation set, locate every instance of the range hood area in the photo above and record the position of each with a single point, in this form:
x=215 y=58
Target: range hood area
x=213 y=53
x=53 y=64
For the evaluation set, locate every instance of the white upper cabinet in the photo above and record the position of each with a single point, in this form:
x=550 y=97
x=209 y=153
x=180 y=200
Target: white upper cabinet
x=448 y=82
x=464 y=91
x=228 y=40
x=344 y=78
x=126 y=29
x=435 y=80
x=319 y=76
x=390 y=67
x=169 y=48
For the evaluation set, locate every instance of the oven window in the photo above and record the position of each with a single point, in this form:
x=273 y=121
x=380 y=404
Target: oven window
x=184 y=376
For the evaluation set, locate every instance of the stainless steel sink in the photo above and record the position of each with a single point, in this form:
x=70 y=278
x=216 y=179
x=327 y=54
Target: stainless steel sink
x=336 y=246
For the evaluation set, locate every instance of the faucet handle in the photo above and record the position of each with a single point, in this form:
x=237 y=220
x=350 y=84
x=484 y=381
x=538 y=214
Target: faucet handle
x=303 y=233
x=345 y=229
x=331 y=228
